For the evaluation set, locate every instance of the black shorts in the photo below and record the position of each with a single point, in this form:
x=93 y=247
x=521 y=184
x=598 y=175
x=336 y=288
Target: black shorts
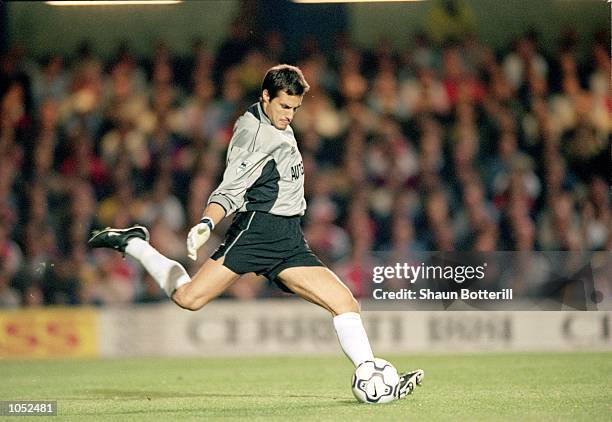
x=265 y=244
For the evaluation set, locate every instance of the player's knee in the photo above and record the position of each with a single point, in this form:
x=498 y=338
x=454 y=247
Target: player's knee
x=346 y=304
x=187 y=301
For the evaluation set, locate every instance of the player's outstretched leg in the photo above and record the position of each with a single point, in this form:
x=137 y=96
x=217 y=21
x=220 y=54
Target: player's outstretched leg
x=409 y=381
x=321 y=286
x=134 y=241
x=188 y=293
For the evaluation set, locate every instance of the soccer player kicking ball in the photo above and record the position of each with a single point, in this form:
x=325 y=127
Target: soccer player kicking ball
x=263 y=185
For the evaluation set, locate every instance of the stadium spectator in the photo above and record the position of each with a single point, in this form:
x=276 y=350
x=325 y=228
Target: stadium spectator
x=329 y=241
x=9 y=297
x=524 y=58
x=559 y=226
x=596 y=216
x=356 y=269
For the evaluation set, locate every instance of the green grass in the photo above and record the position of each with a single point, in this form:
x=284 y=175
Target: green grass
x=535 y=387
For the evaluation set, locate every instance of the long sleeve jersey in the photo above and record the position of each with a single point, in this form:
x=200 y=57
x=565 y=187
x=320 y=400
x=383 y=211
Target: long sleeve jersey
x=264 y=169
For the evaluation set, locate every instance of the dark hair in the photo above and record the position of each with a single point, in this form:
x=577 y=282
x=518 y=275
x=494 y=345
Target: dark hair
x=284 y=77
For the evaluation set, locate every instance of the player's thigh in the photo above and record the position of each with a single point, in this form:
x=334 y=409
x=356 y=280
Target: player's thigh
x=212 y=279
x=321 y=286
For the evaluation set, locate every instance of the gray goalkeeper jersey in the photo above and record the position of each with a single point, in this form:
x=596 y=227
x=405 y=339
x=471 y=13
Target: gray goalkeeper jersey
x=264 y=169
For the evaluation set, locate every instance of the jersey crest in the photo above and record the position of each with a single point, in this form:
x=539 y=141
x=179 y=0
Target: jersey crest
x=243 y=166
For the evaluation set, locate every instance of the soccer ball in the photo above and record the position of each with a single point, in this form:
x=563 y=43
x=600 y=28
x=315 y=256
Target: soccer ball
x=375 y=381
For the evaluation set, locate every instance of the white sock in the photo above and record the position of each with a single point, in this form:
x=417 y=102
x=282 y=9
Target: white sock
x=169 y=274
x=353 y=338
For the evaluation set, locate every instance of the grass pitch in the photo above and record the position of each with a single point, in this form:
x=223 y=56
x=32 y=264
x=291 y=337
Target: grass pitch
x=535 y=387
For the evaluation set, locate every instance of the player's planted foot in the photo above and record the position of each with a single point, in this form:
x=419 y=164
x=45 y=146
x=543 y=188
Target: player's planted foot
x=409 y=381
x=117 y=238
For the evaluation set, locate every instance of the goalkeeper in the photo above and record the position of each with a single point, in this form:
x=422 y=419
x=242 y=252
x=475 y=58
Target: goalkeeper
x=263 y=187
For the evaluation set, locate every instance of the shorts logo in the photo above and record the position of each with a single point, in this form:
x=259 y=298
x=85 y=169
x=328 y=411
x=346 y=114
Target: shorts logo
x=243 y=166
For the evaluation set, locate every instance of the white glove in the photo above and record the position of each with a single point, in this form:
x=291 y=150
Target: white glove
x=198 y=235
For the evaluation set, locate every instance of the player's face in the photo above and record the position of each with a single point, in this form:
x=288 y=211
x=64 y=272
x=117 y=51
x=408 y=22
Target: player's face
x=281 y=109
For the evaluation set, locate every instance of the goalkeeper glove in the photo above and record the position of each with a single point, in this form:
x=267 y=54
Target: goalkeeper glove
x=198 y=235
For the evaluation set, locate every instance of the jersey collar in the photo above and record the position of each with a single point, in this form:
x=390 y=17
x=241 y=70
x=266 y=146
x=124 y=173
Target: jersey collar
x=257 y=111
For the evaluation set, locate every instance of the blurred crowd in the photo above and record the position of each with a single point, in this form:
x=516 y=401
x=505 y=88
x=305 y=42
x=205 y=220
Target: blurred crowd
x=432 y=147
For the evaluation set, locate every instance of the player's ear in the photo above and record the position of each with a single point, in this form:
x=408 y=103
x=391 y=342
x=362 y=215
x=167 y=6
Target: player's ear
x=265 y=96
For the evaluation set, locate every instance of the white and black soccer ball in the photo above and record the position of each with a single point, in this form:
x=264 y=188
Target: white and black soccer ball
x=375 y=381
